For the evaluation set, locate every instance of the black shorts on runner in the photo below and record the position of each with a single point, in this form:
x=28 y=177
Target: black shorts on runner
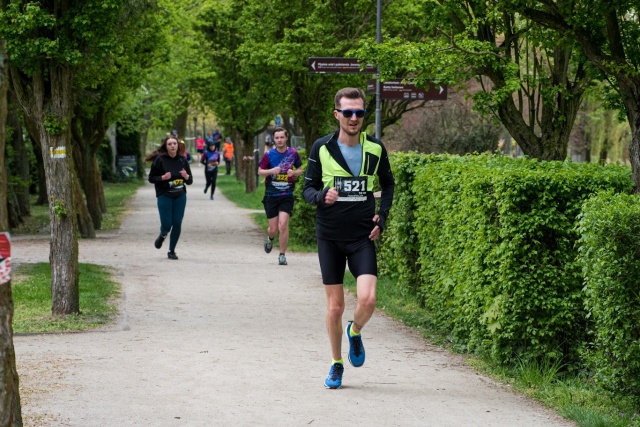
x=275 y=204
x=334 y=256
x=200 y=150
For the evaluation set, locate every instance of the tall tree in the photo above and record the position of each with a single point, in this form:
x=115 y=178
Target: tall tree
x=242 y=102
x=280 y=37
x=608 y=33
x=17 y=167
x=50 y=44
x=103 y=86
x=10 y=411
x=533 y=79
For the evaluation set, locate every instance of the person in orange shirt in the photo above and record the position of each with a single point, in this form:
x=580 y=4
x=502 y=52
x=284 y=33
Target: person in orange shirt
x=227 y=154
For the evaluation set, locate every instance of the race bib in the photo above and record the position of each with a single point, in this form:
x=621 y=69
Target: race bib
x=282 y=177
x=351 y=188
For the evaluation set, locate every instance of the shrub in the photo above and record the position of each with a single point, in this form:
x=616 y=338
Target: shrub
x=609 y=255
x=496 y=240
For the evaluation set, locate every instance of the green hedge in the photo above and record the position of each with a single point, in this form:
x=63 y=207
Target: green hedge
x=302 y=225
x=610 y=260
x=495 y=240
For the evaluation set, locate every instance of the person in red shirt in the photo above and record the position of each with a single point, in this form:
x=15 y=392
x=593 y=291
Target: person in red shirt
x=199 y=148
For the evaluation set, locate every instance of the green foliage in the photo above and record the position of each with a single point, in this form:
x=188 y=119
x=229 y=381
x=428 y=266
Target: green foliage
x=55 y=125
x=539 y=373
x=398 y=250
x=31 y=285
x=105 y=160
x=531 y=78
x=59 y=209
x=302 y=225
x=610 y=259
x=488 y=245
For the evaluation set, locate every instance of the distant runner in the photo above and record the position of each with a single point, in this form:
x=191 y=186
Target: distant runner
x=281 y=165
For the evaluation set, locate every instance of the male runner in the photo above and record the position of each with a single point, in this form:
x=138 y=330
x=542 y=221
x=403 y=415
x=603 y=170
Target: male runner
x=281 y=165
x=340 y=179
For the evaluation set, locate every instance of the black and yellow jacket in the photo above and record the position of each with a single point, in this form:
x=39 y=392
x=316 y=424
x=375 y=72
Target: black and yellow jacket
x=347 y=220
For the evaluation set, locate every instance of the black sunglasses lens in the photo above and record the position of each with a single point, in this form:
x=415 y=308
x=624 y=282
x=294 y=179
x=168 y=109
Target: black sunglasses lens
x=347 y=114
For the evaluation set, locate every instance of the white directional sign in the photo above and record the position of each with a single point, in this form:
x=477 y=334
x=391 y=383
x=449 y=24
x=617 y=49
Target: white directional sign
x=339 y=65
x=395 y=89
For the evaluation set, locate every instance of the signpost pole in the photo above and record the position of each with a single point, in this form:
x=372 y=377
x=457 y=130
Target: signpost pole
x=378 y=101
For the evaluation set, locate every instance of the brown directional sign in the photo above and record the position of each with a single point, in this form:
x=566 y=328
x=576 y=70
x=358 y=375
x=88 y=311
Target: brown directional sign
x=395 y=89
x=339 y=65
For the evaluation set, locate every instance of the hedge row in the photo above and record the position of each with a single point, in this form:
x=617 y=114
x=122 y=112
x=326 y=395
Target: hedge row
x=488 y=244
x=518 y=259
x=609 y=255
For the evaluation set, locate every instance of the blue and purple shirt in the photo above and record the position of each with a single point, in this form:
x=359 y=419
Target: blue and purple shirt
x=280 y=184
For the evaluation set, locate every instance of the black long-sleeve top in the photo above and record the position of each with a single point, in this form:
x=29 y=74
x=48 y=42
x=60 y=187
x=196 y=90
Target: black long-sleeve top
x=163 y=164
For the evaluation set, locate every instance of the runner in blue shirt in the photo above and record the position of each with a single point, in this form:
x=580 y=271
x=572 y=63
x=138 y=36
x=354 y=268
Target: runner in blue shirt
x=280 y=165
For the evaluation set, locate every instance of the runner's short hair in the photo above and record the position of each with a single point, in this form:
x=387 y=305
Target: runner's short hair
x=351 y=93
x=281 y=129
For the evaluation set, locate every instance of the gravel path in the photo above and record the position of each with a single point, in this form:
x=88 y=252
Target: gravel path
x=226 y=337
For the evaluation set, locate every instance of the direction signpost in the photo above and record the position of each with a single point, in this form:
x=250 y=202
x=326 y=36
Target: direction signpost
x=395 y=89
x=339 y=65
x=392 y=89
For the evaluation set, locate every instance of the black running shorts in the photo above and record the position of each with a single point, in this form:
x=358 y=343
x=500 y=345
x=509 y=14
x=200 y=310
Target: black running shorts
x=275 y=204
x=334 y=256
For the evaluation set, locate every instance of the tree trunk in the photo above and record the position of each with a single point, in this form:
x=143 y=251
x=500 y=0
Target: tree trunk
x=32 y=130
x=246 y=157
x=10 y=407
x=634 y=149
x=631 y=101
x=180 y=123
x=48 y=103
x=10 y=410
x=87 y=134
x=84 y=218
x=20 y=162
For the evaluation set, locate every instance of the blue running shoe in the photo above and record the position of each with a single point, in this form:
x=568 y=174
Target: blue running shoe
x=356 y=348
x=334 y=379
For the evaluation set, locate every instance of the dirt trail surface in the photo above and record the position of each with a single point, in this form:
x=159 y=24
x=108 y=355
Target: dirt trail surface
x=225 y=336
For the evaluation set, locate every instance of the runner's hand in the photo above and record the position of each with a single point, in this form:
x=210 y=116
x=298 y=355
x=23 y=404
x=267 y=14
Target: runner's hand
x=375 y=233
x=331 y=196
x=184 y=174
x=166 y=176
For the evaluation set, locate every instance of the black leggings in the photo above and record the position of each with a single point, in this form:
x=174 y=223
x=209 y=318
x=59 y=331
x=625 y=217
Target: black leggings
x=212 y=177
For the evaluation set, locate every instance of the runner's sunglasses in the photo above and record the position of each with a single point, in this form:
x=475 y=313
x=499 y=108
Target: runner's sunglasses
x=347 y=114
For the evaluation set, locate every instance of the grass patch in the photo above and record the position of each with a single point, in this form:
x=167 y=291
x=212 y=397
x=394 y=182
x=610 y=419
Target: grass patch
x=36 y=222
x=116 y=195
x=31 y=283
x=234 y=190
x=31 y=287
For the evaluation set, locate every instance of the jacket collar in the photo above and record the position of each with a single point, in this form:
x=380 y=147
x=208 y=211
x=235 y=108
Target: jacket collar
x=334 y=149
